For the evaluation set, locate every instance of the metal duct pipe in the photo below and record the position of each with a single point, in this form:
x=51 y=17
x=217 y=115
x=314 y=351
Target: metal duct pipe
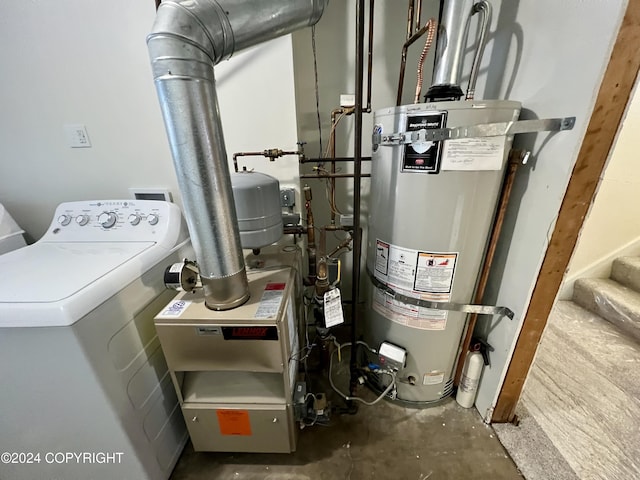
x=452 y=40
x=189 y=37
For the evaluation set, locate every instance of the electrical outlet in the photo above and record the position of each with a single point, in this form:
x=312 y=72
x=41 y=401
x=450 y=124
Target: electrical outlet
x=77 y=136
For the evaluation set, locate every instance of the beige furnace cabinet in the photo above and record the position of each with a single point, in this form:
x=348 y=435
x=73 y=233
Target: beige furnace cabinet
x=234 y=371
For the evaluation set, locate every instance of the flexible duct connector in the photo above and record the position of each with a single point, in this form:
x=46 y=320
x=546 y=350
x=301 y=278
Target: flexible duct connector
x=189 y=37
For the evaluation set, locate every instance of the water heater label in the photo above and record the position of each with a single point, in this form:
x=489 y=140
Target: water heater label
x=433 y=378
x=401 y=267
x=426 y=275
x=419 y=274
x=434 y=273
x=408 y=315
x=382 y=257
x=424 y=157
x=485 y=153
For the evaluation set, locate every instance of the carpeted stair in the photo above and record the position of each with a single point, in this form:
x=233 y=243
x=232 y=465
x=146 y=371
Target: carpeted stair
x=582 y=396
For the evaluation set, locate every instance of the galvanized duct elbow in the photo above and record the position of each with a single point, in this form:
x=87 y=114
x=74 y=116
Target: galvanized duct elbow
x=189 y=37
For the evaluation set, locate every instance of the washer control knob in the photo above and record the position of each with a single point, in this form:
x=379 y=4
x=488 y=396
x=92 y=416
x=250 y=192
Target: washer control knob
x=134 y=219
x=153 y=219
x=82 y=220
x=64 y=220
x=107 y=219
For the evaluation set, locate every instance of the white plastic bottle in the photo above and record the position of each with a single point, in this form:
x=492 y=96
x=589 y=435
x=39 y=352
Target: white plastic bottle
x=469 y=380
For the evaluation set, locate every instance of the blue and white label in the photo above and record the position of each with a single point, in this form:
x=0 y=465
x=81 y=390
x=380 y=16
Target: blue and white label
x=175 y=309
x=377 y=130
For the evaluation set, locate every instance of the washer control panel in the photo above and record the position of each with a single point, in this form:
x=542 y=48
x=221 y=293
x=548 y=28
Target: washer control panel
x=116 y=220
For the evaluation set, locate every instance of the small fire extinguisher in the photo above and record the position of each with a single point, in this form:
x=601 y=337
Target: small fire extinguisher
x=477 y=358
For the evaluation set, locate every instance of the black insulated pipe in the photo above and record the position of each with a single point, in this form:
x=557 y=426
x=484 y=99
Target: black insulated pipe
x=357 y=171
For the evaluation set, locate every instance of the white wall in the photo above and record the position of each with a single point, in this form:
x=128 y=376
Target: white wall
x=612 y=228
x=547 y=56
x=74 y=61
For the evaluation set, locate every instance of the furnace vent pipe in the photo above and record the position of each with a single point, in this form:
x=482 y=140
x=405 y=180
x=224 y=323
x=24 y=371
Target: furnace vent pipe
x=189 y=37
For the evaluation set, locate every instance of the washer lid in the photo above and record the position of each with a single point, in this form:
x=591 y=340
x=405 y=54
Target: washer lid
x=52 y=272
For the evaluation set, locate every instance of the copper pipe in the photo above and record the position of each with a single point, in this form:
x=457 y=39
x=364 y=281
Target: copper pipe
x=514 y=162
x=322 y=280
x=410 y=19
x=423 y=55
x=403 y=60
x=332 y=154
x=311 y=234
x=418 y=14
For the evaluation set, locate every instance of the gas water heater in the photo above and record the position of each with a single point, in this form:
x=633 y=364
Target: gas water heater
x=437 y=174
x=432 y=207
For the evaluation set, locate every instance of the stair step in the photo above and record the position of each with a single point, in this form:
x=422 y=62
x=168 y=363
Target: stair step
x=584 y=392
x=597 y=345
x=612 y=301
x=626 y=270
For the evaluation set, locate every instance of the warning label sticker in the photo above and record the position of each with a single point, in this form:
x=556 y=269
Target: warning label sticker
x=270 y=301
x=234 y=422
x=486 y=153
x=401 y=267
x=434 y=273
x=419 y=274
x=409 y=315
x=433 y=378
x=382 y=257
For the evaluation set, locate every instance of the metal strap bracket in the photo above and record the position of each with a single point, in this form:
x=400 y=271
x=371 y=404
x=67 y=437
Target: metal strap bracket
x=475 y=131
x=449 y=306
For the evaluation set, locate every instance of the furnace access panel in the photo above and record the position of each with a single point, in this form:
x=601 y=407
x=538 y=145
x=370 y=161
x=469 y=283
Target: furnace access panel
x=234 y=371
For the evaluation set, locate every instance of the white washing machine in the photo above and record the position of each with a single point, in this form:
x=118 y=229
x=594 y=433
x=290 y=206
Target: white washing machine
x=10 y=232
x=85 y=392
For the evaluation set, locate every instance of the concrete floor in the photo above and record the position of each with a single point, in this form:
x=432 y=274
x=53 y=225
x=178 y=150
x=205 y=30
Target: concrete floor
x=384 y=441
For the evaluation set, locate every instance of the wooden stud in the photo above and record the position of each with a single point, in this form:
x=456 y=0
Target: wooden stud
x=614 y=94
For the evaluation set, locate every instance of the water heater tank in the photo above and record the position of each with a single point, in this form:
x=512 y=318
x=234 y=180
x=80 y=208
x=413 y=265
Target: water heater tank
x=257 y=200
x=432 y=207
